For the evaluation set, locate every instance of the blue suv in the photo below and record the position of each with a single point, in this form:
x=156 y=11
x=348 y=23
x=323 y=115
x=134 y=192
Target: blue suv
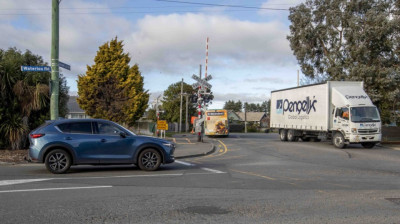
x=62 y=143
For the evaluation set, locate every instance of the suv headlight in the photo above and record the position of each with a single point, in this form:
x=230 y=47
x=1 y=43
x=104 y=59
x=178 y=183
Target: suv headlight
x=168 y=144
x=354 y=130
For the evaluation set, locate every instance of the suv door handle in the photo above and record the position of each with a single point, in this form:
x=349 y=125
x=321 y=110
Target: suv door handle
x=103 y=140
x=68 y=138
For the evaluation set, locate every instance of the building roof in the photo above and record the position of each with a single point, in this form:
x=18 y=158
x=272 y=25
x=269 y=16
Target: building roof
x=73 y=105
x=251 y=116
x=233 y=115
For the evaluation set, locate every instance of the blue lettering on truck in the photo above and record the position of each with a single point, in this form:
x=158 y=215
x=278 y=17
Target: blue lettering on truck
x=306 y=106
x=279 y=107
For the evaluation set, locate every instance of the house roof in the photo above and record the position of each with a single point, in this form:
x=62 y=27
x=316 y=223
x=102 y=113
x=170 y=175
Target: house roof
x=251 y=116
x=73 y=105
x=233 y=115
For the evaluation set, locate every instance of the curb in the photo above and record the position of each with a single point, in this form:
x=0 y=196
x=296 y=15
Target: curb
x=212 y=150
x=391 y=143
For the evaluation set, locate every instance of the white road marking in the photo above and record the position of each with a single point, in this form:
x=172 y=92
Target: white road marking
x=54 y=189
x=126 y=176
x=203 y=168
x=184 y=163
x=212 y=170
x=22 y=181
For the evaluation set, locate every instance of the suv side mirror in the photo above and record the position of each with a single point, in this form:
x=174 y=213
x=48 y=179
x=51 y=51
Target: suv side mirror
x=122 y=134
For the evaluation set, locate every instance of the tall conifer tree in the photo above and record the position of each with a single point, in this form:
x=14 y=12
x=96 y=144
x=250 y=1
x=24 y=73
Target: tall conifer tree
x=111 y=89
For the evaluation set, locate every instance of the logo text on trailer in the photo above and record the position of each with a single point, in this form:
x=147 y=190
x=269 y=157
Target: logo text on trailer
x=306 y=106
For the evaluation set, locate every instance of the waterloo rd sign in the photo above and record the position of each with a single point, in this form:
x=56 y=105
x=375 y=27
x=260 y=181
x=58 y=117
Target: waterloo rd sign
x=27 y=68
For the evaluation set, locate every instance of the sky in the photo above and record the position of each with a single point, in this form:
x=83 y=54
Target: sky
x=249 y=55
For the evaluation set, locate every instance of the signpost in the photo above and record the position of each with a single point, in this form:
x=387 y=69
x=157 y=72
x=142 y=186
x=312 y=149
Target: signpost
x=202 y=85
x=54 y=92
x=163 y=126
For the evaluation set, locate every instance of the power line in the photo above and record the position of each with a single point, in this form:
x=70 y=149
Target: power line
x=222 y=5
x=194 y=4
x=113 y=12
x=95 y=8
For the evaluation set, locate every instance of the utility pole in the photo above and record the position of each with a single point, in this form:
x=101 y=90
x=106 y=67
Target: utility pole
x=245 y=118
x=55 y=16
x=199 y=114
x=180 y=108
x=157 y=114
x=187 y=112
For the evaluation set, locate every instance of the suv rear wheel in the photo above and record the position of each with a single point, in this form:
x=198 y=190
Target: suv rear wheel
x=58 y=161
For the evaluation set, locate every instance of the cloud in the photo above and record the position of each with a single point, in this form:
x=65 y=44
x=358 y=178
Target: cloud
x=162 y=45
x=80 y=33
x=275 y=80
x=175 y=43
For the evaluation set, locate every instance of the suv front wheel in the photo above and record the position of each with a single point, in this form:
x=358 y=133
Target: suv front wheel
x=149 y=160
x=58 y=161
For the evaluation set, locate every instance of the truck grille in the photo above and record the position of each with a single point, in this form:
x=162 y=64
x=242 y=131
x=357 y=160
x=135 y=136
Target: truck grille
x=367 y=131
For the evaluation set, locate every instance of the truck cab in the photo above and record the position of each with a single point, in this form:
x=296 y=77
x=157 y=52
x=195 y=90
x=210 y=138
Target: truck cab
x=355 y=118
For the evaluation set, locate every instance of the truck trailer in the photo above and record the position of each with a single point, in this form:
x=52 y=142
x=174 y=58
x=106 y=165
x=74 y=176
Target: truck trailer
x=337 y=110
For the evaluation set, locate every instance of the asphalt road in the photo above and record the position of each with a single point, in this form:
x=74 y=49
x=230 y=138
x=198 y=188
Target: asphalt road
x=251 y=178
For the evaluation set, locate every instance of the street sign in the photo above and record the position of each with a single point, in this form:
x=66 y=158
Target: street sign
x=162 y=125
x=27 y=68
x=195 y=77
x=196 y=85
x=208 y=78
x=63 y=65
x=205 y=84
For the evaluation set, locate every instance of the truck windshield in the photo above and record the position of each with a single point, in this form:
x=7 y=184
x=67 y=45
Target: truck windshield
x=364 y=114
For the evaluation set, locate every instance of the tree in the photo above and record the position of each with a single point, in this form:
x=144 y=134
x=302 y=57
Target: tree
x=25 y=102
x=234 y=106
x=171 y=102
x=111 y=89
x=350 y=40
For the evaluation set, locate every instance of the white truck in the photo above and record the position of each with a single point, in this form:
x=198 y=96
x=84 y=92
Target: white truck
x=339 y=110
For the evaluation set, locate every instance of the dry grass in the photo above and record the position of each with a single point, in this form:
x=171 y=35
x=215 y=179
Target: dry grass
x=13 y=156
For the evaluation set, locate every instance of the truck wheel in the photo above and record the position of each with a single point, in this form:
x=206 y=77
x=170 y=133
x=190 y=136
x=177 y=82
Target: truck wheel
x=315 y=139
x=291 y=137
x=368 y=145
x=338 y=140
x=305 y=139
x=283 y=135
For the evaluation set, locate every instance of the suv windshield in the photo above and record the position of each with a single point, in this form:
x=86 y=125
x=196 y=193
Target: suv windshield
x=364 y=114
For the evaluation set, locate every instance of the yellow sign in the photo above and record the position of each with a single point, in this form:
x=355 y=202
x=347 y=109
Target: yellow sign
x=162 y=125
